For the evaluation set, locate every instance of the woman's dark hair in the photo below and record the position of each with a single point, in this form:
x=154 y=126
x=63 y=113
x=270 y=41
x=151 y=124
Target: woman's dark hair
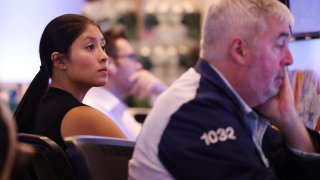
x=57 y=36
x=111 y=35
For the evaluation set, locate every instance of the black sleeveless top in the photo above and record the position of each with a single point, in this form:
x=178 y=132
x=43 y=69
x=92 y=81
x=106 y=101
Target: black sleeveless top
x=52 y=108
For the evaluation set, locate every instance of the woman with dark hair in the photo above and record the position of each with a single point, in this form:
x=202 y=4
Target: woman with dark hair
x=72 y=53
x=126 y=78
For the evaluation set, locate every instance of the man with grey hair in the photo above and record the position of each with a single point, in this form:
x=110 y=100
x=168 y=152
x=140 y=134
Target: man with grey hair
x=233 y=115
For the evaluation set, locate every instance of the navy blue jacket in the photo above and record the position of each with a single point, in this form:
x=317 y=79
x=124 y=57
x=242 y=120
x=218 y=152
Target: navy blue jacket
x=205 y=137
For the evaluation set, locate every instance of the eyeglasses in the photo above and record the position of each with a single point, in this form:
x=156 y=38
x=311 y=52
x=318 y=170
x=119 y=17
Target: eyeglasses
x=132 y=57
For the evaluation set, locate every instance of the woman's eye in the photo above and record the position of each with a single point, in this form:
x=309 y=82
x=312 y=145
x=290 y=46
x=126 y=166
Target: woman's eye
x=90 y=47
x=104 y=48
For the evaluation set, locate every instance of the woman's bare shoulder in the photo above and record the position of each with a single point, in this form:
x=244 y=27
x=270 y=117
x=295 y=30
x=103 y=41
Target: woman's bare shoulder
x=86 y=120
x=86 y=112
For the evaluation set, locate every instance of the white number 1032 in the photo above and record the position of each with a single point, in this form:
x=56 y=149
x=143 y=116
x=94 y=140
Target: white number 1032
x=221 y=134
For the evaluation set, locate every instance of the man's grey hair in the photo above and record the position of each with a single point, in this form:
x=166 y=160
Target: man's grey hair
x=246 y=18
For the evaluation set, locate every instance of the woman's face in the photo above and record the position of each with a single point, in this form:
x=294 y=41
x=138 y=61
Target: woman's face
x=87 y=63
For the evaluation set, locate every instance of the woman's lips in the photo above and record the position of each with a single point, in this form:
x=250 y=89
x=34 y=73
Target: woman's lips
x=104 y=71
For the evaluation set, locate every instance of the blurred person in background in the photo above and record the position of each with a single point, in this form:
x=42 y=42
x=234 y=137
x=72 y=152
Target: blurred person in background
x=72 y=54
x=126 y=76
x=5 y=112
x=8 y=141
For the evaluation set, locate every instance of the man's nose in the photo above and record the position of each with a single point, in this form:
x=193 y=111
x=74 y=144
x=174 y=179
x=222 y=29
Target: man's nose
x=288 y=59
x=138 y=65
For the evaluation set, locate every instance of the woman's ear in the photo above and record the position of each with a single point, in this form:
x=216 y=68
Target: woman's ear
x=58 y=60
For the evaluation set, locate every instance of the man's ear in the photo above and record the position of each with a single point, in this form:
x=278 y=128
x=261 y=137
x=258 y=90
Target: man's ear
x=58 y=60
x=239 y=50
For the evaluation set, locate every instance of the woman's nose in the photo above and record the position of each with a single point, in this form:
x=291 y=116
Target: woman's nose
x=103 y=56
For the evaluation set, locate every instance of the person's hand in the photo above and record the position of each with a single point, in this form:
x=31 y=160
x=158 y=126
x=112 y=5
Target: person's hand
x=282 y=113
x=145 y=84
x=281 y=106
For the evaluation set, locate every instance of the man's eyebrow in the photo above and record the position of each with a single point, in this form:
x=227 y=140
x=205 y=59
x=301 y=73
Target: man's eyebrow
x=284 y=34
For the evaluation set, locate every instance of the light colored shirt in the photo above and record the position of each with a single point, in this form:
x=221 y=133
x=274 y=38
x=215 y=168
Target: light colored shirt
x=257 y=125
x=103 y=100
